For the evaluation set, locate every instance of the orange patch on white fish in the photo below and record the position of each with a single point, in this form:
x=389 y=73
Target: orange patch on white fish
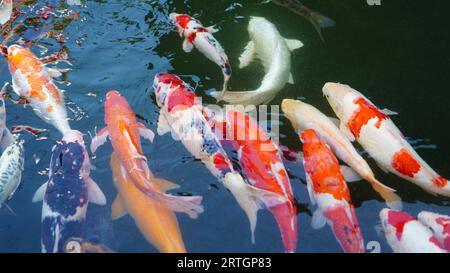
x=362 y=115
x=405 y=163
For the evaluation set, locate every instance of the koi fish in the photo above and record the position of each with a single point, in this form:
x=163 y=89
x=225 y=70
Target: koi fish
x=405 y=234
x=6 y=137
x=154 y=219
x=439 y=225
x=304 y=116
x=261 y=163
x=32 y=80
x=378 y=135
x=124 y=132
x=182 y=115
x=11 y=167
x=79 y=245
x=274 y=51
x=67 y=193
x=6 y=8
x=195 y=34
x=327 y=188
x=318 y=20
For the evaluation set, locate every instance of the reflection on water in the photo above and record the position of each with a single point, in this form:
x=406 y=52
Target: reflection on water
x=399 y=61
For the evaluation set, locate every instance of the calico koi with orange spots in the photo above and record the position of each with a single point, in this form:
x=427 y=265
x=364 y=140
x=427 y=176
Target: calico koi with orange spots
x=33 y=81
x=125 y=131
x=361 y=120
x=439 y=224
x=327 y=188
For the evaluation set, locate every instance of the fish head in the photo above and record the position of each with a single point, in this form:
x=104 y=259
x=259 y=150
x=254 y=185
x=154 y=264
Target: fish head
x=73 y=245
x=309 y=137
x=255 y=25
x=15 y=54
x=117 y=105
x=73 y=136
x=439 y=224
x=338 y=95
x=393 y=223
x=298 y=112
x=181 y=21
x=163 y=84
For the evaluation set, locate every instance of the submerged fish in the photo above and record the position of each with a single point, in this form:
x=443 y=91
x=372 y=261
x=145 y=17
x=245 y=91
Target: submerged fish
x=67 y=193
x=154 y=219
x=304 y=116
x=124 y=132
x=318 y=20
x=327 y=189
x=374 y=130
x=181 y=115
x=405 y=234
x=11 y=167
x=261 y=163
x=6 y=8
x=33 y=81
x=274 y=51
x=79 y=245
x=195 y=34
x=439 y=224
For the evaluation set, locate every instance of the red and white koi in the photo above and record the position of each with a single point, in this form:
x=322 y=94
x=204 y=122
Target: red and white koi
x=327 y=189
x=378 y=135
x=124 y=132
x=304 y=116
x=32 y=80
x=439 y=224
x=182 y=115
x=261 y=163
x=405 y=234
x=195 y=34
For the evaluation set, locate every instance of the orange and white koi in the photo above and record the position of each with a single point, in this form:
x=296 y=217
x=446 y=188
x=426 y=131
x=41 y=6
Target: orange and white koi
x=439 y=224
x=32 y=80
x=261 y=163
x=154 y=219
x=182 y=115
x=195 y=34
x=378 y=135
x=405 y=234
x=124 y=132
x=327 y=189
x=304 y=116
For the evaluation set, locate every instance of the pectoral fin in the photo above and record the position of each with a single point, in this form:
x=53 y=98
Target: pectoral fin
x=187 y=46
x=293 y=44
x=95 y=194
x=212 y=29
x=389 y=112
x=248 y=55
x=318 y=220
x=291 y=79
x=117 y=209
x=163 y=125
x=164 y=184
x=39 y=194
x=145 y=132
x=99 y=139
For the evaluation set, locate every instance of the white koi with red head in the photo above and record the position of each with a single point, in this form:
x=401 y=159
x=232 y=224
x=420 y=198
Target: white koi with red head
x=327 y=189
x=274 y=51
x=304 y=116
x=33 y=81
x=405 y=234
x=195 y=34
x=181 y=114
x=124 y=133
x=439 y=225
x=262 y=165
x=378 y=135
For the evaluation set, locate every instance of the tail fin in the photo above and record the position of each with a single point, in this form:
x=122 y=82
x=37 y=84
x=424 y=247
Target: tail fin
x=320 y=21
x=393 y=201
x=251 y=199
x=191 y=205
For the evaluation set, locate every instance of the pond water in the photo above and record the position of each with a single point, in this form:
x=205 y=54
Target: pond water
x=396 y=54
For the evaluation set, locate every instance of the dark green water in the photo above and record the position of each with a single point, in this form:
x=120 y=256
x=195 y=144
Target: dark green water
x=396 y=54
